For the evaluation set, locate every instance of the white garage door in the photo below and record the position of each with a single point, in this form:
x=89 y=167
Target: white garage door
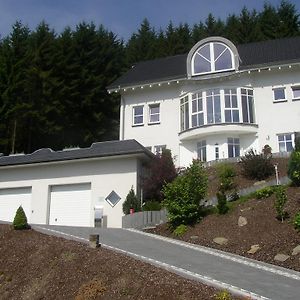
x=70 y=205
x=11 y=199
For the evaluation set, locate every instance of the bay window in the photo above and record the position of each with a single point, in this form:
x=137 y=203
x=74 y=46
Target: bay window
x=184 y=113
x=247 y=105
x=231 y=106
x=197 y=110
x=213 y=106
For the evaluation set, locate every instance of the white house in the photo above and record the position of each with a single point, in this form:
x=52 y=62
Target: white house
x=217 y=101
x=72 y=187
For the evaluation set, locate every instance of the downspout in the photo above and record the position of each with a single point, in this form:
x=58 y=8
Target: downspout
x=122 y=115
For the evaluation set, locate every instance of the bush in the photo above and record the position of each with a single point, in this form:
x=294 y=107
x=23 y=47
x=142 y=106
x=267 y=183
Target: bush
x=280 y=202
x=226 y=174
x=296 y=221
x=257 y=166
x=223 y=295
x=180 y=230
x=222 y=203
x=131 y=202
x=20 y=220
x=265 y=192
x=183 y=196
x=151 y=205
x=294 y=168
x=161 y=172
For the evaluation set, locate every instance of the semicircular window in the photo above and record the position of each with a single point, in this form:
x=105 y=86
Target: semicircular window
x=212 y=57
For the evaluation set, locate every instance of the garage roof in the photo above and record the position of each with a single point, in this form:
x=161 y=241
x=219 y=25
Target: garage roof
x=97 y=150
x=252 y=55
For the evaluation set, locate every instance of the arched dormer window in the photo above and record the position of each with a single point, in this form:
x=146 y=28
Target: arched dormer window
x=212 y=55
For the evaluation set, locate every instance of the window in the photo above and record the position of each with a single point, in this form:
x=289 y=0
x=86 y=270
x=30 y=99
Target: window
x=138 y=115
x=212 y=57
x=213 y=106
x=154 y=113
x=231 y=106
x=197 y=110
x=184 y=113
x=279 y=94
x=285 y=142
x=247 y=105
x=233 y=147
x=296 y=92
x=201 y=150
x=158 y=149
x=113 y=198
x=217 y=151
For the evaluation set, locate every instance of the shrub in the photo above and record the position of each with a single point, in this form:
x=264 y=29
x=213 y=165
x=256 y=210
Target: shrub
x=183 y=196
x=280 y=202
x=20 y=220
x=257 y=166
x=267 y=150
x=223 y=295
x=294 y=168
x=151 y=205
x=265 y=192
x=296 y=221
x=180 y=230
x=226 y=174
x=222 y=205
x=161 y=172
x=131 y=202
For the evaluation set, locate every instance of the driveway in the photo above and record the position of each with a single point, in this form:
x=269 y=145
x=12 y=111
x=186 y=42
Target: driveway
x=240 y=275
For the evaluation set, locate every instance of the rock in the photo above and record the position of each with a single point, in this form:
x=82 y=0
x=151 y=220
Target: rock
x=254 y=249
x=194 y=237
x=246 y=209
x=296 y=250
x=281 y=257
x=220 y=240
x=242 y=221
x=259 y=182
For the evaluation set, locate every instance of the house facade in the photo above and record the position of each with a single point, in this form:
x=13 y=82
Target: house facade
x=73 y=187
x=217 y=101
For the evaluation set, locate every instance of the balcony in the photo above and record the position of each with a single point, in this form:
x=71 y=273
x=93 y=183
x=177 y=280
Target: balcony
x=217 y=129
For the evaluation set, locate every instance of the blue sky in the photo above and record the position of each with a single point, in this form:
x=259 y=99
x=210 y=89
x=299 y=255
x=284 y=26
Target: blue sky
x=123 y=17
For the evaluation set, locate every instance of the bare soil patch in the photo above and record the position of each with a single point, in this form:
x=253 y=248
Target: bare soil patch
x=262 y=229
x=37 y=266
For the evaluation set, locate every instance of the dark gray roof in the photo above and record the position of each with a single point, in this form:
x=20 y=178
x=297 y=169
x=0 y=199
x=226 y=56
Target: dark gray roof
x=97 y=150
x=271 y=52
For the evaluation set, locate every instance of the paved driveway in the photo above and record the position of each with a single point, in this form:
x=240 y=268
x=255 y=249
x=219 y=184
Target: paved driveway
x=226 y=271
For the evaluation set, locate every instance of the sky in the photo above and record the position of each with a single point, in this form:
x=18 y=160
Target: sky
x=123 y=17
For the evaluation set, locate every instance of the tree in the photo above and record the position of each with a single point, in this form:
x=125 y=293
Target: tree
x=269 y=22
x=131 y=202
x=288 y=19
x=182 y=196
x=162 y=171
x=20 y=220
x=141 y=45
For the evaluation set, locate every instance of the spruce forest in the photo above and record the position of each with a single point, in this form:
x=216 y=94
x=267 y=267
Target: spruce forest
x=53 y=85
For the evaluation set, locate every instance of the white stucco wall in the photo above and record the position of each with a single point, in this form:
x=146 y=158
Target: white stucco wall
x=105 y=175
x=272 y=118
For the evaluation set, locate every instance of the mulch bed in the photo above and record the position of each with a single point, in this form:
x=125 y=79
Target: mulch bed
x=263 y=229
x=37 y=266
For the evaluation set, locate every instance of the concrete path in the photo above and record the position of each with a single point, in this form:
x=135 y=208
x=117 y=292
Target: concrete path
x=226 y=271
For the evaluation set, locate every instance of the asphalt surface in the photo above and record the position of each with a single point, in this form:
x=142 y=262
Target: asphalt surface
x=238 y=274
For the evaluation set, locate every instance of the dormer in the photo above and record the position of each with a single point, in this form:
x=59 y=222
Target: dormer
x=212 y=55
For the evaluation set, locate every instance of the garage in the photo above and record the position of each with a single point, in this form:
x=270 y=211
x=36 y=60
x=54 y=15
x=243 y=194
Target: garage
x=70 y=205
x=11 y=199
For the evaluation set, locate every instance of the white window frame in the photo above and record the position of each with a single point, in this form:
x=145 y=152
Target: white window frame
x=295 y=87
x=285 y=141
x=231 y=108
x=279 y=88
x=212 y=60
x=202 y=150
x=197 y=97
x=248 y=106
x=154 y=114
x=158 y=149
x=134 y=115
x=234 y=145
